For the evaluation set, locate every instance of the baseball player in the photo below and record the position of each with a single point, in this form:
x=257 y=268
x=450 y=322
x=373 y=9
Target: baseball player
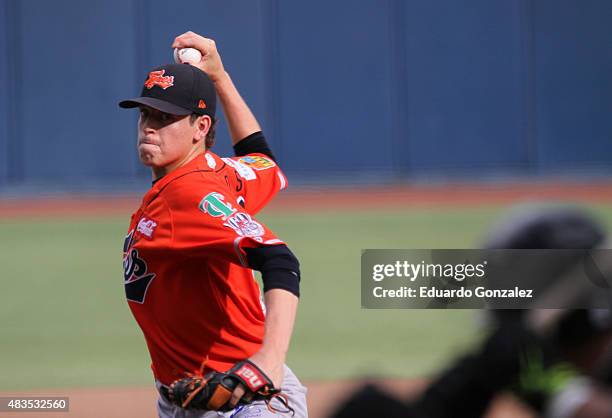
x=194 y=242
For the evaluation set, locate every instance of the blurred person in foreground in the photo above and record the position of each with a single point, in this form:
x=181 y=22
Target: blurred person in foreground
x=556 y=372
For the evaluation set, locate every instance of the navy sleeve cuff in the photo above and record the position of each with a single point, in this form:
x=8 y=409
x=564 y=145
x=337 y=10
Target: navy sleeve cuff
x=279 y=268
x=254 y=144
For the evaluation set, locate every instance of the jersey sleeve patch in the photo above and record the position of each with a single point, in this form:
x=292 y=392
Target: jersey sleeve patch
x=244 y=225
x=257 y=162
x=146 y=227
x=244 y=171
x=214 y=204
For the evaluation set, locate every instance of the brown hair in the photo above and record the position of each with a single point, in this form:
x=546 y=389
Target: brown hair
x=209 y=142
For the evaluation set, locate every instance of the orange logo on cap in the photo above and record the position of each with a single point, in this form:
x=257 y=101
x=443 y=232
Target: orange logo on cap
x=157 y=78
x=201 y=104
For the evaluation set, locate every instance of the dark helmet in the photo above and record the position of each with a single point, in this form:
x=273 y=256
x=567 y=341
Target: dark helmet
x=553 y=227
x=546 y=228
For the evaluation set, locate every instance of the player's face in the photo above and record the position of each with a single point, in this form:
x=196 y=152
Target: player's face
x=164 y=140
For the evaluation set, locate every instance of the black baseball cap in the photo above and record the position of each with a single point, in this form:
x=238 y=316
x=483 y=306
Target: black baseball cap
x=178 y=89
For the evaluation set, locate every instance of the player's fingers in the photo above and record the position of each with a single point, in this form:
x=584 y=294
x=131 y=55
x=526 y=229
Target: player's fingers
x=182 y=38
x=193 y=40
x=236 y=396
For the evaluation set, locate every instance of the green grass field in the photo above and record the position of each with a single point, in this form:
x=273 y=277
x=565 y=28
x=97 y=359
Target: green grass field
x=64 y=321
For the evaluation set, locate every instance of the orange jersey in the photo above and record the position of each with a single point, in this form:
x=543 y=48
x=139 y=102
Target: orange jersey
x=185 y=272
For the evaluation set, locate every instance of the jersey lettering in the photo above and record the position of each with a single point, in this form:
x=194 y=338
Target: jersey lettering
x=136 y=278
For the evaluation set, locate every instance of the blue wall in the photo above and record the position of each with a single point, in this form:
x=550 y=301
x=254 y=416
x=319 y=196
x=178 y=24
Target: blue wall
x=573 y=63
x=394 y=89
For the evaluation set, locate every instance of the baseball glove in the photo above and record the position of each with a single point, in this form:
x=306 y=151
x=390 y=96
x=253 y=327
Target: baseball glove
x=213 y=391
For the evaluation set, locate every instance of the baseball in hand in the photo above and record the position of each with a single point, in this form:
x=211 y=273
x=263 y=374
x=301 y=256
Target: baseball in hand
x=187 y=56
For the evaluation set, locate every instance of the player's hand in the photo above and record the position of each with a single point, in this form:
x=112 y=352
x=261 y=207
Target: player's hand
x=271 y=366
x=211 y=62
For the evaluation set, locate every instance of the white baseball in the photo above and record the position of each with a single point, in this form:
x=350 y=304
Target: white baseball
x=187 y=56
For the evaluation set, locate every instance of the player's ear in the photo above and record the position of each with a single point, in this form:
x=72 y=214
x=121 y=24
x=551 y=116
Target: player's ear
x=203 y=124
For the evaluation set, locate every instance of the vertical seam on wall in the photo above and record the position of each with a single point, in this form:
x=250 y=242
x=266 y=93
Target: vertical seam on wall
x=141 y=64
x=272 y=72
x=4 y=83
x=14 y=140
x=400 y=145
x=529 y=70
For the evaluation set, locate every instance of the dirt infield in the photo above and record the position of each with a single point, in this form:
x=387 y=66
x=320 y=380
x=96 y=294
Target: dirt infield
x=140 y=402
x=317 y=199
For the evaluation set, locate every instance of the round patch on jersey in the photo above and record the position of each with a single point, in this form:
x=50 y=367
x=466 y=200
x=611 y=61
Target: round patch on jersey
x=244 y=225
